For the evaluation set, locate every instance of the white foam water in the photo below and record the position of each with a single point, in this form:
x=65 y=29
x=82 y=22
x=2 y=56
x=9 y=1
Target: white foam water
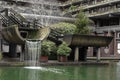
x=32 y=52
x=33 y=67
x=54 y=70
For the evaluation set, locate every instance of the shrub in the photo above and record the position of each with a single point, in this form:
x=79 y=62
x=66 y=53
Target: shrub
x=63 y=49
x=63 y=28
x=47 y=47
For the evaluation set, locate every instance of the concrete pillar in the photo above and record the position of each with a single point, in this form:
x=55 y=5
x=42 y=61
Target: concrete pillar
x=97 y=23
x=98 y=55
x=76 y=54
x=109 y=33
x=95 y=2
x=119 y=21
x=22 y=53
x=12 y=50
x=0 y=35
x=115 y=43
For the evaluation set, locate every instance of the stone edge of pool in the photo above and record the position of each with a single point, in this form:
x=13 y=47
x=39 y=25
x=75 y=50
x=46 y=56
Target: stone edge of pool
x=55 y=63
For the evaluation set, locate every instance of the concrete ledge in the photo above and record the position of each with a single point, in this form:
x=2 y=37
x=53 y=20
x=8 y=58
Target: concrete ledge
x=104 y=58
x=16 y=63
x=56 y=63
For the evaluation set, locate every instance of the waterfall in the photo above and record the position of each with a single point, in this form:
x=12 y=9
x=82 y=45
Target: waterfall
x=32 y=52
x=47 y=8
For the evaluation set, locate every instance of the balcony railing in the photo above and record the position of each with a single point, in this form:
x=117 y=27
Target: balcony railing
x=99 y=13
x=87 y=5
x=107 y=28
x=96 y=13
x=99 y=3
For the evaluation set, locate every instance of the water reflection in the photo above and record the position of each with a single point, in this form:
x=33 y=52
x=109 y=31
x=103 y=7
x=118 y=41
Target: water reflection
x=92 y=73
x=28 y=74
x=118 y=71
x=61 y=73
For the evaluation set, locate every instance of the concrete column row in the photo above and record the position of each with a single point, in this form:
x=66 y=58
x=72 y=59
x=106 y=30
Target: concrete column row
x=76 y=57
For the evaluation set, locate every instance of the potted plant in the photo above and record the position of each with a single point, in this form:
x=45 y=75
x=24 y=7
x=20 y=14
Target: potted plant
x=46 y=49
x=63 y=51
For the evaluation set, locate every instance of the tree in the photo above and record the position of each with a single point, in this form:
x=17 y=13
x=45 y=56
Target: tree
x=82 y=22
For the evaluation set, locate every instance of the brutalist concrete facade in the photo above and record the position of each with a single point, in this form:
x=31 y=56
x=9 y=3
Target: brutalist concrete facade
x=106 y=17
x=104 y=13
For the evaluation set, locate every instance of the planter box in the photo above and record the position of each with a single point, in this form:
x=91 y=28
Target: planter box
x=13 y=34
x=43 y=58
x=87 y=40
x=62 y=58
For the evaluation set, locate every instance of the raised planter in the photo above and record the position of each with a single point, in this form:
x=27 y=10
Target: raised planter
x=13 y=34
x=87 y=40
x=62 y=58
x=43 y=58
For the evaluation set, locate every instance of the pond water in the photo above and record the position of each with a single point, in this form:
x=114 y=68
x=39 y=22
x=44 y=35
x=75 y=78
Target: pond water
x=85 y=72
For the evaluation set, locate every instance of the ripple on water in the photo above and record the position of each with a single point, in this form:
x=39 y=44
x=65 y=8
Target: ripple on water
x=60 y=71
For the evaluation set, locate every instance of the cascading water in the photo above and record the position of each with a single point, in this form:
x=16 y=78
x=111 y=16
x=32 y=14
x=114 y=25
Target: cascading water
x=32 y=52
x=44 y=8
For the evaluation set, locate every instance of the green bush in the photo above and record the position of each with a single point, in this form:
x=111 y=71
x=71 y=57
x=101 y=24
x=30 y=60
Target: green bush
x=48 y=47
x=63 y=28
x=64 y=49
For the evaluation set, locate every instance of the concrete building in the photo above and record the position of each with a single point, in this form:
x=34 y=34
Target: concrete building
x=104 y=13
x=106 y=17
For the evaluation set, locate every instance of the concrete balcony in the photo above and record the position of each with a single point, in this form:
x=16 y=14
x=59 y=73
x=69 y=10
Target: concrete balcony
x=102 y=3
x=105 y=13
x=87 y=6
x=69 y=3
x=33 y=2
x=107 y=28
x=97 y=13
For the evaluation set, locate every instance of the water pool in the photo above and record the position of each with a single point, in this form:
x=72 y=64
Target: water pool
x=85 y=72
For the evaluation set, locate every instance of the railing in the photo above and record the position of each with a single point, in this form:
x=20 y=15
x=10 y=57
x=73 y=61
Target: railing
x=107 y=28
x=99 y=3
x=98 y=13
x=37 y=2
x=87 y=5
x=11 y=17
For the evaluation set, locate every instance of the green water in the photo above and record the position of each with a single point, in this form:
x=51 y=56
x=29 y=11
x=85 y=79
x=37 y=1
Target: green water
x=85 y=72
